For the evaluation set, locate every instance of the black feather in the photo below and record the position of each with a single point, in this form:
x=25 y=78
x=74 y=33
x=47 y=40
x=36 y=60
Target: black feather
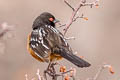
x=73 y=58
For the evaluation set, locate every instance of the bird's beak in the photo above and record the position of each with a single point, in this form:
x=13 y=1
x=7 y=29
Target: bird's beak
x=56 y=21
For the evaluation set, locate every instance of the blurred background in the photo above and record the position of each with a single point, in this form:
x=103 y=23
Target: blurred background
x=97 y=39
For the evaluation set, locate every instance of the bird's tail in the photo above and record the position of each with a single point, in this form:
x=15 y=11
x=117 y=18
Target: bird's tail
x=74 y=59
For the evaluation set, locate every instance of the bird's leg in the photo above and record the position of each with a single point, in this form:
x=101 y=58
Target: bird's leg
x=54 y=77
x=49 y=65
x=47 y=71
x=50 y=71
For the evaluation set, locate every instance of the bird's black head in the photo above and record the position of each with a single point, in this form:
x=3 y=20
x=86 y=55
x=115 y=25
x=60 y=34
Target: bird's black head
x=44 y=19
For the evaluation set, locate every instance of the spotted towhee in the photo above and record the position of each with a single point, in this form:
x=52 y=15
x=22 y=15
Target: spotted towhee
x=47 y=44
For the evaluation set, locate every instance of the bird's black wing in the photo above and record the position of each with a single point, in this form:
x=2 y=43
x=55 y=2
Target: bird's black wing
x=40 y=44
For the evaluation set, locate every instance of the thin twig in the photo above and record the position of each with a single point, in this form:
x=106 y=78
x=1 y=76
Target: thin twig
x=70 y=38
x=72 y=17
x=61 y=74
x=98 y=73
x=69 y=5
x=26 y=77
x=75 y=10
x=38 y=74
x=78 y=17
x=61 y=25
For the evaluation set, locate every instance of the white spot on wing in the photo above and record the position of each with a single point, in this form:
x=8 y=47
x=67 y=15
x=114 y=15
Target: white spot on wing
x=36 y=39
x=39 y=41
x=49 y=26
x=52 y=28
x=33 y=46
x=40 y=33
x=55 y=30
x=44 y=45
x=46 y=52
x=36 y=44
x=64 y=40
x=43 y=32
x=38 y=55
x=31 y=39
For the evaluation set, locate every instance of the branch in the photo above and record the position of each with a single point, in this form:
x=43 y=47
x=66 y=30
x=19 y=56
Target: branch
x=67 y=74
x=4 y=35
x=75 y=11
x=69 y=5
x=4 y=28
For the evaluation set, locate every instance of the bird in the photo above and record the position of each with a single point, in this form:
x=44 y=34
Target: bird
x=47 y=44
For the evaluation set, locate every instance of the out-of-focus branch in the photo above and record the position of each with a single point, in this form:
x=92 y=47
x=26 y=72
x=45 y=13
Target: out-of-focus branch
x=4 y=28
x=26 y=77
x=75 y=11
x=38 y=76
x=5 y=33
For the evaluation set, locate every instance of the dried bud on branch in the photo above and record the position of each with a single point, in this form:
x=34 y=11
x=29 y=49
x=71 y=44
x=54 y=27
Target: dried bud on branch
x=73 y=72
x=62 y=69
x=110 y=68
x=66 y=77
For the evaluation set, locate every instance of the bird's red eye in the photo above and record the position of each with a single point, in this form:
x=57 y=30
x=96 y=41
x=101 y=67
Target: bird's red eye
x=51 y=19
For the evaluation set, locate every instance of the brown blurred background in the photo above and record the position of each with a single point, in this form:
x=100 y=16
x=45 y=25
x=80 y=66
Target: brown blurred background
x=97 y=39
